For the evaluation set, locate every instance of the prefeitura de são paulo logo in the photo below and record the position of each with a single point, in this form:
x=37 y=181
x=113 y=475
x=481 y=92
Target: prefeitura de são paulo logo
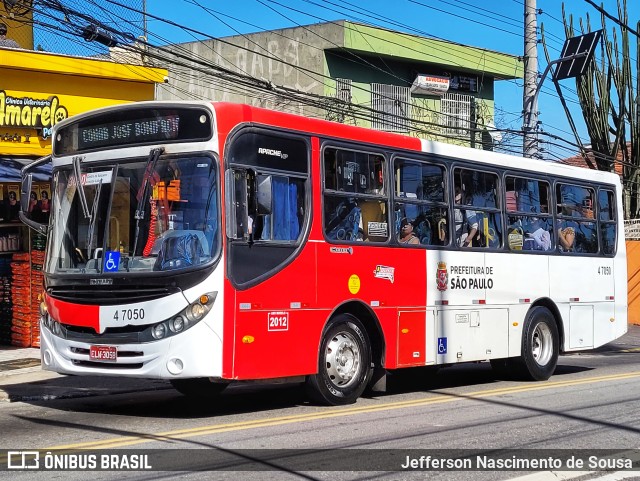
x=441 y=276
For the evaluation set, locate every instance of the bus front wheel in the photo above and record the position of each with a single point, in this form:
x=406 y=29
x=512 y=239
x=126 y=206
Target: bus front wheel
x=201 y=387
x=344 y=363
x=540 y=345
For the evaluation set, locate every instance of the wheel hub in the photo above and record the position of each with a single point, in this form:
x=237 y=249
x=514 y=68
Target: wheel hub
x=343 y=359
x=542 y=345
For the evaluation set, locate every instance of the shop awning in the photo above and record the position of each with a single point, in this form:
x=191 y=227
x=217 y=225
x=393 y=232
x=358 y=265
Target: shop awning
x=11 y=167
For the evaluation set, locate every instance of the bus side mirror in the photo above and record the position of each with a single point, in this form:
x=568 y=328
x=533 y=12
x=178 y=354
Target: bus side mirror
x=263 y=194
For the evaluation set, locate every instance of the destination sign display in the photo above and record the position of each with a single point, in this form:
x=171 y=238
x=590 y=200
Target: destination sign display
x=129 y=127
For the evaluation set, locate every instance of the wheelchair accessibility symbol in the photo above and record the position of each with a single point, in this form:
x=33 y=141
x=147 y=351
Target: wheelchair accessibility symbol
x=442 y=345
x=111 y=261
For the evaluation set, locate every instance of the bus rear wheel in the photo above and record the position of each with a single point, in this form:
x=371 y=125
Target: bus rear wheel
x=540 y=345
x=201 y=387
x=344 y=363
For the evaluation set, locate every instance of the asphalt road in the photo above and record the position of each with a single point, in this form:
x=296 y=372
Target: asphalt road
x=591 y=403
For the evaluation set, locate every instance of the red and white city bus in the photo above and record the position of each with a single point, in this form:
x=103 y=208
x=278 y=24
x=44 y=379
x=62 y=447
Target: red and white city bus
x=207 y=243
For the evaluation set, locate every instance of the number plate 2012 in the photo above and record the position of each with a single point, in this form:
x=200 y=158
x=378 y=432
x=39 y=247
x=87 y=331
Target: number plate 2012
x=278 y=321
x=103 y=353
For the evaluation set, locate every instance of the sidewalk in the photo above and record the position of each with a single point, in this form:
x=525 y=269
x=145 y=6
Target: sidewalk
x=22 y=379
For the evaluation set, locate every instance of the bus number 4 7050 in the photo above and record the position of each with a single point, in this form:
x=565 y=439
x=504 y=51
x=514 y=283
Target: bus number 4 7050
x=128 y=314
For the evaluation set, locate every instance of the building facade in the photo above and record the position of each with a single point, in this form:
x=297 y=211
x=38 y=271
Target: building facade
x=39 y=89
x=350 y=72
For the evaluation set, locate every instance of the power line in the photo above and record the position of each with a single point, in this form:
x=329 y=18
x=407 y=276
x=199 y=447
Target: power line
x=611 y=17
x=296 y=96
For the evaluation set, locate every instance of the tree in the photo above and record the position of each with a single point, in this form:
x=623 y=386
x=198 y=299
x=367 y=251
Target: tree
x=610 y=102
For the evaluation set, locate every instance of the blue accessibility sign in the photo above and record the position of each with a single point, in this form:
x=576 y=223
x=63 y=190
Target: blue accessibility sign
x=111 y=261
x=442 y=345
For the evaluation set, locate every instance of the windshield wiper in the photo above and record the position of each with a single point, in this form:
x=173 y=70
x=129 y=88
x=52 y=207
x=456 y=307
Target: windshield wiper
x=149 y=169
x=77 y=170
x=94 y=216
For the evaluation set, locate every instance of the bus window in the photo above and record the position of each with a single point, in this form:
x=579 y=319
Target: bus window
x=282 y=222
x=607 y=216
x=428 y=224
x=420 y=207
x=527 y=195
x=577 y=231
x=529 y=233
x=477 y=218
x=355 y=206
x=285 y=220
x=532 y=228
x=575 y=201
x=354 y=172
x=420 y=181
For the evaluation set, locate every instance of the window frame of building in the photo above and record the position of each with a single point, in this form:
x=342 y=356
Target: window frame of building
x=456 y=114
x=391 y=106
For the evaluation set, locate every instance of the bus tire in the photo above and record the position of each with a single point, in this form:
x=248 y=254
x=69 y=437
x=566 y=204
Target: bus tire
x=201 y=387
x=344 y=363
x=540 y=345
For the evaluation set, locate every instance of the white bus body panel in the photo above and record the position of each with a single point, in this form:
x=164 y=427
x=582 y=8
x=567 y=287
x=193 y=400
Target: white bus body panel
x=198 y=348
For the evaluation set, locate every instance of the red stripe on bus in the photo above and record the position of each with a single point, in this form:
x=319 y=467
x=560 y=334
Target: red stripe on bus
x=84 y=315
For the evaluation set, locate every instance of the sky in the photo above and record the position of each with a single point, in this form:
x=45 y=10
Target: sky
x=495 y=25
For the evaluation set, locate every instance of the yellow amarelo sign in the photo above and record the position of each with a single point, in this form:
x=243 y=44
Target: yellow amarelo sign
x=28 y=112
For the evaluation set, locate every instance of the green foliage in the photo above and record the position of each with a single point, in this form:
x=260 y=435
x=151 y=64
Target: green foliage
x=609 y=102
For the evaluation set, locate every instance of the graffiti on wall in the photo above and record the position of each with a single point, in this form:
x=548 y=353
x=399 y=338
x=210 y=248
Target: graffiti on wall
x=282 y=62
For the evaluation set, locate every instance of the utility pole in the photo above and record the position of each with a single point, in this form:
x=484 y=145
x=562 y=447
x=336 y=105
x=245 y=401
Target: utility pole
x=144 y=19
x=529 y=109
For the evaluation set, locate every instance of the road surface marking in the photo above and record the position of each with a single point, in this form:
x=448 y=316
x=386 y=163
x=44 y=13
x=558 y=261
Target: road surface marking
x=436 y=398
x=562 y=475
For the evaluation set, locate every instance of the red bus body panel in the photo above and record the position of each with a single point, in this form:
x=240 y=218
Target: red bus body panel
x=301 y=297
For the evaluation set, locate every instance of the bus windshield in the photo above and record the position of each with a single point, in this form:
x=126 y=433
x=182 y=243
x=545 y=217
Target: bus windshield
x=155 y=214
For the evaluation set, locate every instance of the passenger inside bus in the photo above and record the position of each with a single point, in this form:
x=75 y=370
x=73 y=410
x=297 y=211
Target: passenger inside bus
x=538 y=240
x=406 y=234
x=566 y=238
x=466 y=222
x=442 y=231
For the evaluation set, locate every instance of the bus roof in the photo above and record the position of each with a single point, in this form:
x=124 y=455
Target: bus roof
x=238 y=113
x=387 y=139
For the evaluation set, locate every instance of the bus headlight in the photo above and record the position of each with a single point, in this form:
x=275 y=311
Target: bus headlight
x=55 y=328
x=177 y=324
x=195 y=312
x=182 y=321
x=159 y=330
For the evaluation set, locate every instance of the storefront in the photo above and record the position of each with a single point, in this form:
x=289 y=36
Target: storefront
x=37 y=90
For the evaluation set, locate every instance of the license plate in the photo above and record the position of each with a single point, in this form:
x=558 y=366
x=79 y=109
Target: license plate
x=103 y=353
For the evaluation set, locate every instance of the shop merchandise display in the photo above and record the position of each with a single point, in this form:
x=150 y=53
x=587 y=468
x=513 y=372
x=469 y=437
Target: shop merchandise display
x=21 y=263
x=21 y=296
